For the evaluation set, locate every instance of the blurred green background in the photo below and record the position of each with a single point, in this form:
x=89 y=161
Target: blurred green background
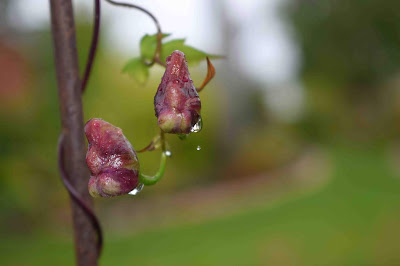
x=298 y=170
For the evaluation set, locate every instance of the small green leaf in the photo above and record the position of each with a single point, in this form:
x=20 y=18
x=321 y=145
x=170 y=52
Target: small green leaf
x=193 y=56
x=148 y=45
x=137 y=69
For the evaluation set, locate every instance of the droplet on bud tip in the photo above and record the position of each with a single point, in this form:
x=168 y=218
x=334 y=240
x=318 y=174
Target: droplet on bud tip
x=136 y=190
x=198 y=126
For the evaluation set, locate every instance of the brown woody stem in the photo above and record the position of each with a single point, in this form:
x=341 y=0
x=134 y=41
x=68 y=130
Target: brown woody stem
x=72 y=145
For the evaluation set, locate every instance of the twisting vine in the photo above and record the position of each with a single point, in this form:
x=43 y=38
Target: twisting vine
x=75 y=195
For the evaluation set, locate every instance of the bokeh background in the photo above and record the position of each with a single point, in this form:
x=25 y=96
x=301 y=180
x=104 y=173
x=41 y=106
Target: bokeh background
x=300 y=154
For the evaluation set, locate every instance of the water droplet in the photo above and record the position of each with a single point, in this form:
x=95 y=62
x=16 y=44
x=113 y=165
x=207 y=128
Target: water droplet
x=198 y=147
x=198 y=126
x=137 y=190
x=168 y=153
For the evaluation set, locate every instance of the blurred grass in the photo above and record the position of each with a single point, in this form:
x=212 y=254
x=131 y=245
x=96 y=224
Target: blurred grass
x=352 y=221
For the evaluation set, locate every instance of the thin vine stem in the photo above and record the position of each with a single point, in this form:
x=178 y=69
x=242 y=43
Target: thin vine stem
x=151 y=180
x=93 y=46
x=163 y=144
x=157 y=54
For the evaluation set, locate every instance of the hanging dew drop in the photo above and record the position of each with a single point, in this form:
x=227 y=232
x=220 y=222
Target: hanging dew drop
x=137 y=190
x=198 y=147
x=198 y=126
x=168 y=153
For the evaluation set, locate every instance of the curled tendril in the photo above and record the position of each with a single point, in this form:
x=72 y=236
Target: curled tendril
x=151 y=180
x=76 y=197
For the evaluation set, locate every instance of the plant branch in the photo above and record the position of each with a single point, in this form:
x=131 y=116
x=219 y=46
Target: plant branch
x=72 y=142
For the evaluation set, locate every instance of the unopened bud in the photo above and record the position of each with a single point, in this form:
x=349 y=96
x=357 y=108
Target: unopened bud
x=177 y=103
x=111 y=160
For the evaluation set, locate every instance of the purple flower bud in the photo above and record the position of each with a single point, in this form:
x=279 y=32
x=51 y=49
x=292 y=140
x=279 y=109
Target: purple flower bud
x=111 y=160
x=177 y=103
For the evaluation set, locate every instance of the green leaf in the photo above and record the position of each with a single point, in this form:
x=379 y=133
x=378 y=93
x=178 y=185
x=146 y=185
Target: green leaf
x=137 y=69
x=193 y=56
x=148 y=45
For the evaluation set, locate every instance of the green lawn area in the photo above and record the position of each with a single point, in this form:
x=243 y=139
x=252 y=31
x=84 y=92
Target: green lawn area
x=354 y=220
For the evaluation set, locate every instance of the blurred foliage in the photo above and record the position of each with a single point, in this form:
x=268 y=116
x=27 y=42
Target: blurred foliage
x=351 y=42
x=351 y=58
x=254 y=146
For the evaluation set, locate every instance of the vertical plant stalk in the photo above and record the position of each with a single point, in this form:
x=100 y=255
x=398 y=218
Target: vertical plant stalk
x=73 y=144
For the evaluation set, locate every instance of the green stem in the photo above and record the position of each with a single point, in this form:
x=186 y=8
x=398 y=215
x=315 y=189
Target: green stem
x=151 y=180
x=162 y=138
